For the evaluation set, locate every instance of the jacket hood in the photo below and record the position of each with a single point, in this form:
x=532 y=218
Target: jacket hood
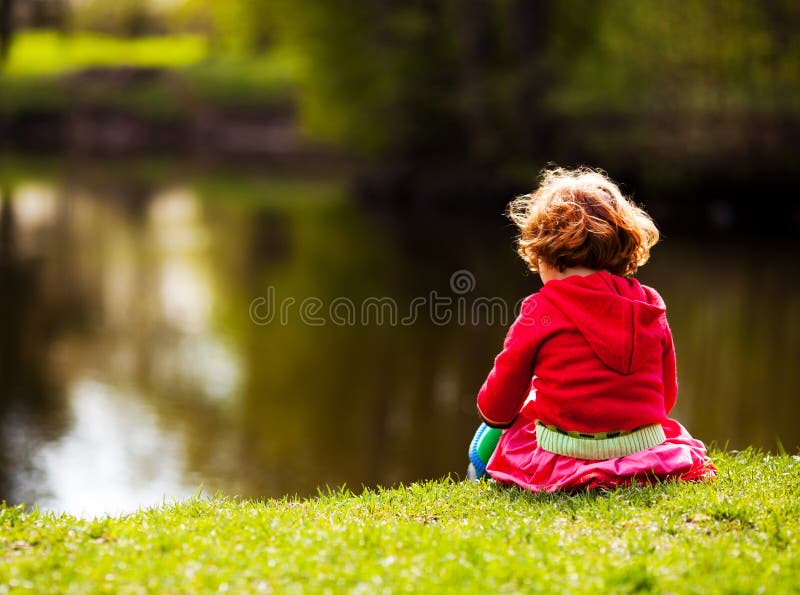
x=620 y=318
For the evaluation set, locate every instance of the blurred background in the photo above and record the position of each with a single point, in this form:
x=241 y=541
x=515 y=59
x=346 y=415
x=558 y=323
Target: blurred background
x=163 y=163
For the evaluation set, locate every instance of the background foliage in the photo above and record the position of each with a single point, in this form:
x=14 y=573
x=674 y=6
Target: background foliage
x=650 y=89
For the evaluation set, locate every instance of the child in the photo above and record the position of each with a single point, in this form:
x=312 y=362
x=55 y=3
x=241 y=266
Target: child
x=592 y=352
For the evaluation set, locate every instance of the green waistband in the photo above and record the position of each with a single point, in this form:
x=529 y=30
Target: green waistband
x=605 y=445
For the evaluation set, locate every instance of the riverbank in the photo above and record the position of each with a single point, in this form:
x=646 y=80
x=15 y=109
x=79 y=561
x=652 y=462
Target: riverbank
x=737 y=534
x=95 y=94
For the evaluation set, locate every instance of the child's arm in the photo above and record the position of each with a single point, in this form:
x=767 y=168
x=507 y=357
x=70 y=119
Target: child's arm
x=669 y=374
x=669 y=371
x=507 y=385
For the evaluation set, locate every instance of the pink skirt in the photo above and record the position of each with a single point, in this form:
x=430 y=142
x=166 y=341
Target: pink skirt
x=519 y=460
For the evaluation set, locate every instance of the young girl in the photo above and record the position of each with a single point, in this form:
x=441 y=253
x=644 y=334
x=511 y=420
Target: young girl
x=586 y=377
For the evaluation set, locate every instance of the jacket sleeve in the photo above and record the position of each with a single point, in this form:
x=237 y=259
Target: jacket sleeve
x=669 y=371
x=508 y=384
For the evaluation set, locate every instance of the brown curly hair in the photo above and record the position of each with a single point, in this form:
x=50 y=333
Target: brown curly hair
x=580 y=218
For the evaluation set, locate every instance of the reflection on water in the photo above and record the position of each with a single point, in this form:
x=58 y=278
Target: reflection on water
x=113 y=458
x=132 y=372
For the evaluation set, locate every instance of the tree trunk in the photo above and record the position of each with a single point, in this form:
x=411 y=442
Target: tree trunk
x=6 y=28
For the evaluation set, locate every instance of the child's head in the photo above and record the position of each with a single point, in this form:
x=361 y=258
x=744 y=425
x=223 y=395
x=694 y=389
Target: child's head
x=579 y=218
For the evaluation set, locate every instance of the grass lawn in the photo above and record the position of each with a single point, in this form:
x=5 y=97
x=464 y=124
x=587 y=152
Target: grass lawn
x=32 y=79
x=37 y=53
x=739 y=534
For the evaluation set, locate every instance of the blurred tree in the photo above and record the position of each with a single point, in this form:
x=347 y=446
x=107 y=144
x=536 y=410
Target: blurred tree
x=6 y=27
x=499 y=48
x=420 y=78
x=42 y=13
x=499 y=83
x=125 y=18
x=354 y=65
x=696 y=55
x=493 y=82
x=237 y=27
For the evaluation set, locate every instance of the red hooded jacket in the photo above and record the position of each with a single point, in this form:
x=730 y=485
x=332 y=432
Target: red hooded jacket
x=598 y=351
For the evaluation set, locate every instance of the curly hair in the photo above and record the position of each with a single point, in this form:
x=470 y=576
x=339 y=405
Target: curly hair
x=580 y=218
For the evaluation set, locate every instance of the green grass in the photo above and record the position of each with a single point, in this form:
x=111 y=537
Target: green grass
x=47 y=53
x=739 y=534
x=33 y=80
